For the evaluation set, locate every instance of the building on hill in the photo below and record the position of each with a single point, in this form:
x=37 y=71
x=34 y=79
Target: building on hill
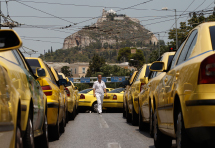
x=79 y=69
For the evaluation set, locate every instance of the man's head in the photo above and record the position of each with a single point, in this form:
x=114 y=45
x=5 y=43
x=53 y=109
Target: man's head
x=99 y=77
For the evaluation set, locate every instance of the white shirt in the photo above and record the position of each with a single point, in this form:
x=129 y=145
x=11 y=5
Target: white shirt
x=99 y=87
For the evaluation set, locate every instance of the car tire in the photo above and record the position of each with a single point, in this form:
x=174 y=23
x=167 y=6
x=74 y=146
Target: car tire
x=135 y=117
x=28 y=139
x=43 y=140
x=142 y=125
x=62 y=124
x=182 y=139
x=151 y=123
x=67 y=118
x=55 y=131
x=128 y=115
x=160 y=140
x=124 y=112
x=19 y=142
x=95 y=107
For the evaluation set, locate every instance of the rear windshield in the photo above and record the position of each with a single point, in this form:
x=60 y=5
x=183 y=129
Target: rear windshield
x=212 y=32
x=147 y=71
x=60 y=76
x=170 y=59
x=118 y=90
x=85 y=91
x=34 y=64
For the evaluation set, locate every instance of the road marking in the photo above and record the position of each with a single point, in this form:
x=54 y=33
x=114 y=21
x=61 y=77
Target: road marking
x=114 y=145
x=103 y=123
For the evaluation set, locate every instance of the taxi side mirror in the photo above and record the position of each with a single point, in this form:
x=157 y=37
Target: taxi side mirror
x=9 y=40
x=40 y=72
x=157 y=66
x=144 y=80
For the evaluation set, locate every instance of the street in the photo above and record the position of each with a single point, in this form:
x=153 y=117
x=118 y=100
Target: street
x=109 y=130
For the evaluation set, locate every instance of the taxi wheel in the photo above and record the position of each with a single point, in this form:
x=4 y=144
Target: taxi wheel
x=128 y=115
x=151 y=123
x=160 y=140
x=135 y=117
x=29 y=134
x=62 y=125
x=19 y=143
x=124 y=112
x=55 y=131
x=182 y=139
x=95 y=107
x=142 y=125
x=43 y=140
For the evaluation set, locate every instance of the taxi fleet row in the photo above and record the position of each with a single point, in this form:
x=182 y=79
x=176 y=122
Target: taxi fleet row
x=177 y=99
x=35 y=103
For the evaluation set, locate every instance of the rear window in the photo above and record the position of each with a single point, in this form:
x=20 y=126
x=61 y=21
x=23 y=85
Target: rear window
x=147 y=71
x=118 y=90
x=212 y=32
x=33 y=64
x=170 y=60
x=60 y=76
x=85 y=91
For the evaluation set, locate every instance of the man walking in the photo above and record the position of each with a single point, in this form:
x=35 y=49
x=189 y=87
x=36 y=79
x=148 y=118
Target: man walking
x=99 y=88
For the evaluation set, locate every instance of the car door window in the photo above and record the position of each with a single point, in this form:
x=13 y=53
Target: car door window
x=19 y=60
x=176 y=56
x=52 y=77
x=137 y=78
x=192 y=46
x=186 y=47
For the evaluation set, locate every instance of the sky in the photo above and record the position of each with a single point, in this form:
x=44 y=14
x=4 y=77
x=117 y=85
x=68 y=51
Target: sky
x=42 y=20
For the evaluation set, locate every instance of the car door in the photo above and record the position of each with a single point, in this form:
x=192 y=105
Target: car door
x=175 y=76
x=36 y=91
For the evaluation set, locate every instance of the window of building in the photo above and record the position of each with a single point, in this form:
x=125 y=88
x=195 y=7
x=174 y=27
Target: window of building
x=71 y=70
x=75 y=71
x=83 y=70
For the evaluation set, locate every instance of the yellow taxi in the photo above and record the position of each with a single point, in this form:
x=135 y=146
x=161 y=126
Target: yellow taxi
x=32 y=101
x=10 y=111
x=146 y=96
x=125 y=95
x=55 y=100
x=114 y=98
x=87 y=100
x=71 y=97
x=185 y=95
x=132 y=106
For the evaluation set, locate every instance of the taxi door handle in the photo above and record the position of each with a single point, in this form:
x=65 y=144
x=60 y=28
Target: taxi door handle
x=165 y=80
x=177 y=74
x=149 y=85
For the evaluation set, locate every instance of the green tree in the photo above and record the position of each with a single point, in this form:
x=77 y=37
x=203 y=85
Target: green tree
x=124 y=54
x=65 y=70
x=94 y=65
x=105 y=45
x=138 y=59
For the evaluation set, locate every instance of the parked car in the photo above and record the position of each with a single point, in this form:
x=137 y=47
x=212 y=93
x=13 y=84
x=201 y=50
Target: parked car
x=132 y=105
x=72 y=107
x=87 y=100
x=185 y=95
x=127 y=86
x=146 y=96
x=33 y=104
x=114 y=98
x=55 y=100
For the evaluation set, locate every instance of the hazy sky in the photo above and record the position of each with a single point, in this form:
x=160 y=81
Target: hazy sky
x=42 y=26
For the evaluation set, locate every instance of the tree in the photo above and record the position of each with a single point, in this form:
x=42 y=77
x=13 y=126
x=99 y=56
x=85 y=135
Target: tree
x=105 y=45
x=124 y=54
x=65 y=70
x=51 y=50
x=95 y=64
x=138 y=59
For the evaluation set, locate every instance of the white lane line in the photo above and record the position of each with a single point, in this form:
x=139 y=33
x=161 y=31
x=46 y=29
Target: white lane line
x=114 y=145
x=102 y=122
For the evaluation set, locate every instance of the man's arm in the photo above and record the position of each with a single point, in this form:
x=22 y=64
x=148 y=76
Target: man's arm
x=94 y=92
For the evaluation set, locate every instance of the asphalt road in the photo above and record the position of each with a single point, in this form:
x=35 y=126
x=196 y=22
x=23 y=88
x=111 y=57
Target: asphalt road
x=109 y=130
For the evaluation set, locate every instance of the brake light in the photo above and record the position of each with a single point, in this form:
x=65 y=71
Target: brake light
x=141 y=86
x=114 y=97
x=207 y=71
x=82 y=96
x=67 y=92
x=47 y=87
